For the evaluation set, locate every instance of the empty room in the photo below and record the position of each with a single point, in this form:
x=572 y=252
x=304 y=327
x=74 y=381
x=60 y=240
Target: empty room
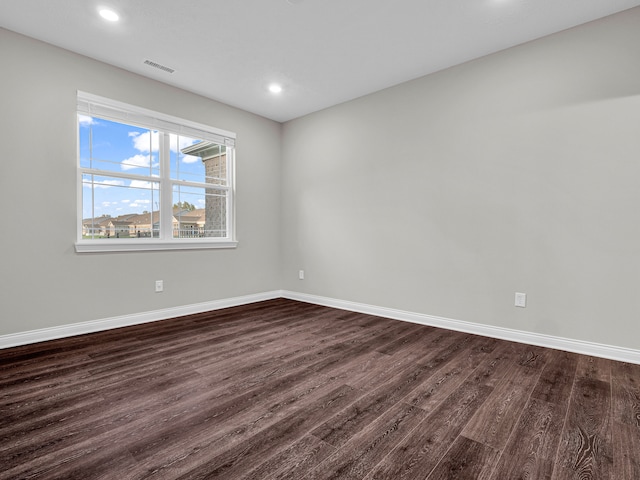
x=305 y=239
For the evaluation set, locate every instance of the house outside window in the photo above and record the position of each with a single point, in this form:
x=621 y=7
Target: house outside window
x=149 y=181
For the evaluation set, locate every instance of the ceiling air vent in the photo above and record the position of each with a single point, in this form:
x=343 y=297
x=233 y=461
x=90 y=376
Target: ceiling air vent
x=157 y=65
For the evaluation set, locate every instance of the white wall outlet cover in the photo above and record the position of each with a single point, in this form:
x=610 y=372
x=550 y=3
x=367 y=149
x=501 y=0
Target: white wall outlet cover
x=521 y=300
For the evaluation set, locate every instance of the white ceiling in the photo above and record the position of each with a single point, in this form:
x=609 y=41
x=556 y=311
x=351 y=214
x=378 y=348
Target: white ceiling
x=323 y=52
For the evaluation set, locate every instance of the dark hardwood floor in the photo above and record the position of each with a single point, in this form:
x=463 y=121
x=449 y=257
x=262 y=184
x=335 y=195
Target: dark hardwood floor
x=288 y=390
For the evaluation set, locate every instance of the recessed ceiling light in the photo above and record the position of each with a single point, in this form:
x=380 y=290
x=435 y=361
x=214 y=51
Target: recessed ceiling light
x=109 y=15
x=275 y=88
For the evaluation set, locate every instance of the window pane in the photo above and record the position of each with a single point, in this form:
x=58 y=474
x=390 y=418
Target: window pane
x=119 y=208
x=118 y=147
x=126 y=157
x=199 y=212
x=196 y=160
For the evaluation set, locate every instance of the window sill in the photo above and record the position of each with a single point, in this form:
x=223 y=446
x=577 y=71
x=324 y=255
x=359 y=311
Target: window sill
x=98 y=246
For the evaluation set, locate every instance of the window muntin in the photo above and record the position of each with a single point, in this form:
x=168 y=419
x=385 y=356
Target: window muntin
x=140 y=184
x=198 y=161
x=209 y=221
x=132 y=199
x=117 y=147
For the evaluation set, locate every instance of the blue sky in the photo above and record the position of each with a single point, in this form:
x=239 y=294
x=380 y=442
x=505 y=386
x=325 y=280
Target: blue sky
x=126 y=149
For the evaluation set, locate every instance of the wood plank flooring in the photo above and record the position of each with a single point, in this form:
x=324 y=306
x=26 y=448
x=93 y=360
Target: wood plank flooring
x=288 y=390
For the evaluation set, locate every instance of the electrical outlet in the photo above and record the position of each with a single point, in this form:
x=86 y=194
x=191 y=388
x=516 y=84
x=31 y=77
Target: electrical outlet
x=301 y=274
x=159 y=286
x=521 y=300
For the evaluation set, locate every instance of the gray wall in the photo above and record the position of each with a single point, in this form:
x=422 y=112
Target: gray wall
x=445 y=195
x=43 y=282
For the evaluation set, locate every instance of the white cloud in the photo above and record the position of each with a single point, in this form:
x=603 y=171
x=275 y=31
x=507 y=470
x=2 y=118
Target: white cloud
x=178 y=143
x=86 y=120
x=190 y=159
x=143 y=184
x=125 y=201
x=138 y=161
x=145 y=142
x=149 y=142
x=141 y=203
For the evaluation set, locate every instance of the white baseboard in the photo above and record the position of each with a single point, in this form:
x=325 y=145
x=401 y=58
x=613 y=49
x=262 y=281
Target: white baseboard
x=577 y=346
x=41 y=335
x=558 y=343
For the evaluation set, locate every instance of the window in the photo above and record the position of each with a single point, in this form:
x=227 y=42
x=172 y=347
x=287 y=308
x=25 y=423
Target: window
x=149 y=181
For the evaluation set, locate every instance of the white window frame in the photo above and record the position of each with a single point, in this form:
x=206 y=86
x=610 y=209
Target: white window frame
x=101 y=107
